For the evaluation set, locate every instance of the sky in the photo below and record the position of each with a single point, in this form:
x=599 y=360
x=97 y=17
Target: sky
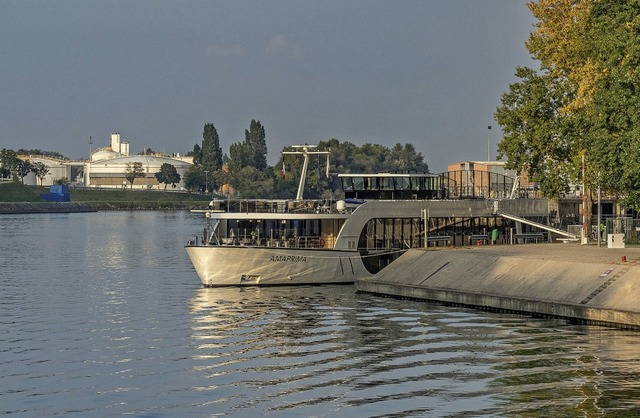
x=425 y=72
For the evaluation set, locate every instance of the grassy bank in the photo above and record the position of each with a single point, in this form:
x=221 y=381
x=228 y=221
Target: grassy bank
x=110 y=199
x=17 y=192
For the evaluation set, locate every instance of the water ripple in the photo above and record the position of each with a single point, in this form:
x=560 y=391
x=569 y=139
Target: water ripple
x=107 y=318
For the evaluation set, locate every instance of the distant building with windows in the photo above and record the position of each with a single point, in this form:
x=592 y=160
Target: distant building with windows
x=107 y=166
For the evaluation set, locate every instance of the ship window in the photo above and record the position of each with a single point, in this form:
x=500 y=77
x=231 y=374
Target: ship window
x=358 y=183
x=387 y=183
x=403 y=183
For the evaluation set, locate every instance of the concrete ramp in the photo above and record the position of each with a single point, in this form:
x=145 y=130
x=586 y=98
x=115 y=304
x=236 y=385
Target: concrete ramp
x=565 y=280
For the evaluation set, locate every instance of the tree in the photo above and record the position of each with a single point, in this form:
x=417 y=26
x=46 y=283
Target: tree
x=9 y=161
x=345 y=157
x=197 y=154
x=405 y=157
x=251 y=183
x=562 y=44
x=584 y=98
x=194 y=178
x=40 y=171
x=52 y=154
x=168 y=175
x=252 y=152
x=133 y=171
x=257 y=145
x=221 y=178
x=211 y=152
x=239 y=156
x=23 y=168
x=536 y=135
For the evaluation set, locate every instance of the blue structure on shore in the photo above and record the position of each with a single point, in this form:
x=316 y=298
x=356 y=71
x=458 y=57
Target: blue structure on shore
x=57 y=193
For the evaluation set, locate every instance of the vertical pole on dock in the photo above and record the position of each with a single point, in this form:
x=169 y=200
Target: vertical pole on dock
x=424 y=213
x=599 y=234
x=584 y=207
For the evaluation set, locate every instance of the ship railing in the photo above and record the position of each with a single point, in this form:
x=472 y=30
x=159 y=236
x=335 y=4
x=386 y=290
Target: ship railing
x=273 y=206
x=297 y=242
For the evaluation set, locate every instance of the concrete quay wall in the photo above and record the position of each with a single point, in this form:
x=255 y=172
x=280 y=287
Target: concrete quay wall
x=44 y=207
x=587 y=283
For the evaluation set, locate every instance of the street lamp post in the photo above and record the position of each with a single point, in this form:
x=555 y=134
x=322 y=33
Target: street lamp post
x=489 y=144
x=206 y=186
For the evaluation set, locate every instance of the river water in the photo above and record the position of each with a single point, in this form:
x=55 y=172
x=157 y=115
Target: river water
x=101 y=314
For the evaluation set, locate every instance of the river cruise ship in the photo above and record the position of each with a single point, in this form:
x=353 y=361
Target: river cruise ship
x=298 y=241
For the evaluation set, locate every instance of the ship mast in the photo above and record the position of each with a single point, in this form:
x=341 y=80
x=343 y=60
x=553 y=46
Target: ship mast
x=306 y=150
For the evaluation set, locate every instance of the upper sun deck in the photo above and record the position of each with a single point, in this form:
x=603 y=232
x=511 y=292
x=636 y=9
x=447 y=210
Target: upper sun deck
x=273 y=206
x=462 y=184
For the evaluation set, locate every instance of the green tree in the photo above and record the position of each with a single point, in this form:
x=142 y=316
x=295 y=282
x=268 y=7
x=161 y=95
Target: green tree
x=251 y=183
x=405 y=157
x=614 y=121
x=221 y=177
x=40 y=171
x=168 y=174
x=536 y=137
x=9 y=161
x=23 y=168
x=255 y=140
x=211 y=152
x=252 y=152
x=583 y=99
x=239 y=156
x=196 y=154
x=194 y=178
x=345 y=157
x=133 y=171
x=51 y=154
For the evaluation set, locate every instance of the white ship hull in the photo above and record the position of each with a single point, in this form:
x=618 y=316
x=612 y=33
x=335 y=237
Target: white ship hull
x=251 y=266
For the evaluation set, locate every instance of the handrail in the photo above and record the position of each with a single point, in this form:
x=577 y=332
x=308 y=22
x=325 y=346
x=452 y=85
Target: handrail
x=537 y=225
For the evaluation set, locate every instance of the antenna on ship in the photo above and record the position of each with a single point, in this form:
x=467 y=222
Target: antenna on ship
x=306 y=150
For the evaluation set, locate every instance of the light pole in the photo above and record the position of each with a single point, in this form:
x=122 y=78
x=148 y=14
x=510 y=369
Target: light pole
x=489 y=144
x=206 y=186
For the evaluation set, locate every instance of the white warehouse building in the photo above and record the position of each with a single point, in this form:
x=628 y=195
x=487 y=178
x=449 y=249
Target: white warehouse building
x=111 y=172
x=58 y=169
x=107 y=167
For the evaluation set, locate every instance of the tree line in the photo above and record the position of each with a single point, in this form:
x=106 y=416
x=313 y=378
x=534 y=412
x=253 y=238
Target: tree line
x=579 y=112
x=245 y=173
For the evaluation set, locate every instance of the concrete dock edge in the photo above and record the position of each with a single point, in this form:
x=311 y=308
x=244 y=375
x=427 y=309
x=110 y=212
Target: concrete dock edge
x=583 y=283
x=45 y=207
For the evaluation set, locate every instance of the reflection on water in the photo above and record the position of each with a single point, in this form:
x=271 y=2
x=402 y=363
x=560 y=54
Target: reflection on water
x=319 y=351
x=103 y=315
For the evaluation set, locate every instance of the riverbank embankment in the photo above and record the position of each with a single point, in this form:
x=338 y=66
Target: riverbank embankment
x=582 y=282
x=45 y=207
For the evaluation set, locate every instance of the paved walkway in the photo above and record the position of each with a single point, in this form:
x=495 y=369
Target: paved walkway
x=563 y=252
